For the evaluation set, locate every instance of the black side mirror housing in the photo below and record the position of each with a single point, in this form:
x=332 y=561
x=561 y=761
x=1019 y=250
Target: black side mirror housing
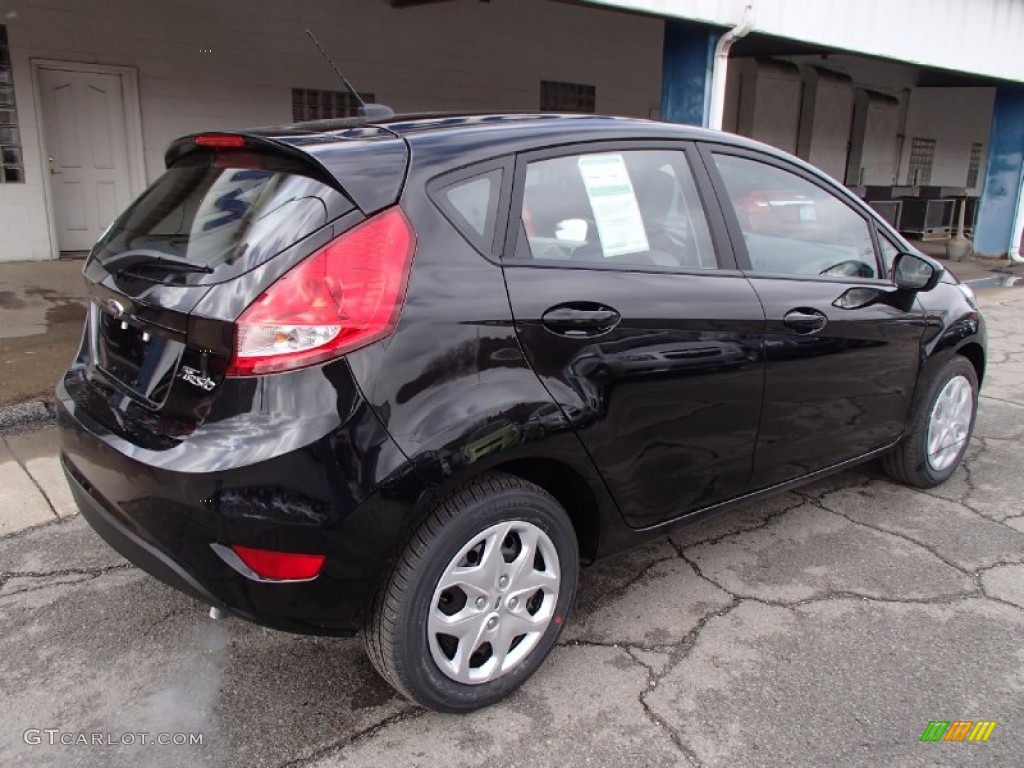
x=914 y=273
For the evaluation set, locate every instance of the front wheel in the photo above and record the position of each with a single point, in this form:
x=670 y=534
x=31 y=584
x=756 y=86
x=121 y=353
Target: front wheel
x=940 y=427
x=478 y=597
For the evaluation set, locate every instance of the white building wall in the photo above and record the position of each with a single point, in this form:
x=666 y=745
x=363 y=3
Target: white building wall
x=774 y=104
x=882 y=145
x=449 y=56
x=827 y=110
x=955 y=118
x=978 y=36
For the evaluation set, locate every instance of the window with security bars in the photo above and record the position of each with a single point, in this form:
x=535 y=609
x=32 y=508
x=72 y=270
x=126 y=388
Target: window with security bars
x=12 y=166
x=974 y=165
x=567 y=97
x=922 y=158
x=313 y=104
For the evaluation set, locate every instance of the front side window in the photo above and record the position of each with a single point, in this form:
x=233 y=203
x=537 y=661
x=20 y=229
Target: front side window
x=793 y=227
x=889 y=251
x=636 y=208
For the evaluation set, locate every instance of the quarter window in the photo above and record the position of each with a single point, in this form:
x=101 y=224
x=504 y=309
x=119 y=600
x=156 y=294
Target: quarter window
x=794 y=227
x=471 y=205
x=632 y=208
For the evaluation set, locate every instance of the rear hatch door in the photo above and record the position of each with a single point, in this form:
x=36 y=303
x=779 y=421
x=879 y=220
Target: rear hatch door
x=171 y=274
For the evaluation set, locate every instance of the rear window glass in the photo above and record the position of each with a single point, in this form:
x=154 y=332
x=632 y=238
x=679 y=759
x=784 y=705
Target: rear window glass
x=229 y=213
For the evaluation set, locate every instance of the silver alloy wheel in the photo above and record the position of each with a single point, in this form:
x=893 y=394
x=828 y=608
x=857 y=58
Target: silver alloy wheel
x=950 y=422
x=493 y=602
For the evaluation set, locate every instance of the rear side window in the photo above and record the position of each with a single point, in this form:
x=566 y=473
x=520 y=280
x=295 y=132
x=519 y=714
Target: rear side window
x=226 y=212
x=793 y=227
x=636 y=208
x=471 y=204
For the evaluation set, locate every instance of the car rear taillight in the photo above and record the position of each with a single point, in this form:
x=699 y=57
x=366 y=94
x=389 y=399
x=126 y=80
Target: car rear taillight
x=280 y=566
x=346 y=295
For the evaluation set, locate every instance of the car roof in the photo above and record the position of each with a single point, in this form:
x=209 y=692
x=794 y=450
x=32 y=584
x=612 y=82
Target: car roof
x=496 y=128
x=369 y=157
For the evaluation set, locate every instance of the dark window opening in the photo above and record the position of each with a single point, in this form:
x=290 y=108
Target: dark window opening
x=922 y=158
x=567 y=97
x=312 y=104
x=12 y=164
x=974 y=165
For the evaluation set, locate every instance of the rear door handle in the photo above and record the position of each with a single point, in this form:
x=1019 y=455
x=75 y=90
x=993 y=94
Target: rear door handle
x=804 y=320
x=581 y=318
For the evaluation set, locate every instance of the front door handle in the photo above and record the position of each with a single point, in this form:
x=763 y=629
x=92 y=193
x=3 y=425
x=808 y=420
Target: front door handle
x=804 y=320
x=581 y=318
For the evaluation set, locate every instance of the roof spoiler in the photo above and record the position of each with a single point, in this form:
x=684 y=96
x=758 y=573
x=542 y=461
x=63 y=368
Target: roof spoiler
x=372 y=183
x=235 y=142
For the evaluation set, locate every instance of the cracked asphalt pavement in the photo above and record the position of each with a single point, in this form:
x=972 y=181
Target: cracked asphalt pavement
x=826 y=626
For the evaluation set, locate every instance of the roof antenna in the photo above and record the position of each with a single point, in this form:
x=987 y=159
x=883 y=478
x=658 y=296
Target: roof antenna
x=375 y=111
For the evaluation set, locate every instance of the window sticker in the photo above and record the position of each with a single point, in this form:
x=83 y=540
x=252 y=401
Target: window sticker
x=613 y=202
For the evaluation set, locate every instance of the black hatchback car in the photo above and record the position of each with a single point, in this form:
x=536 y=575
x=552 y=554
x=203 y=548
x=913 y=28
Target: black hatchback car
x=402 y=377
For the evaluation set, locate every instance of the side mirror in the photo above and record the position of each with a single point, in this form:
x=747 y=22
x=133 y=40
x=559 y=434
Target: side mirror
x=914 y=274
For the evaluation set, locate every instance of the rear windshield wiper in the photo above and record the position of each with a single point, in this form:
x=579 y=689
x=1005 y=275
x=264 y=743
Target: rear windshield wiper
x=145 y=257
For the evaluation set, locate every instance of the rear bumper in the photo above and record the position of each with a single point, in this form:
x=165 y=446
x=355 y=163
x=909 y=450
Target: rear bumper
x=164 y=520
x=132 y=546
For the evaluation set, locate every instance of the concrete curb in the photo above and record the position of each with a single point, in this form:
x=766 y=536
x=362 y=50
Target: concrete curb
x=28 y=415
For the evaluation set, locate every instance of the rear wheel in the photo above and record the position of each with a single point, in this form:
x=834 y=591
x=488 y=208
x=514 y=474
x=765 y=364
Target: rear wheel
x=478 y=597
x=940 y=428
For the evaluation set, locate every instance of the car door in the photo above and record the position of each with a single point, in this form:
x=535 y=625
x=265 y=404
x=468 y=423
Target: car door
x=629 y=307
x=839 y=374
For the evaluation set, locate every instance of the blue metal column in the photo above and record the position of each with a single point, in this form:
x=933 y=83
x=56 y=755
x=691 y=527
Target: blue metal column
x=1000 y=197
x=687 y=60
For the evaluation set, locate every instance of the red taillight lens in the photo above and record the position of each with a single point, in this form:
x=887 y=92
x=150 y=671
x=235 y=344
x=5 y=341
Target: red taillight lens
x=345 y=296
x=219 y=141
x=280 y=566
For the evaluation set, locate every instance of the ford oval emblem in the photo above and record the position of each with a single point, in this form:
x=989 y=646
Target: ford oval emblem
x=115 y=307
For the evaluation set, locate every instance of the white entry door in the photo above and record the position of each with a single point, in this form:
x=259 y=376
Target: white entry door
x=86 y=142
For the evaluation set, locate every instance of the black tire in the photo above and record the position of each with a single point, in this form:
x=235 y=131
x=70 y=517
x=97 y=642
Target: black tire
x=396 y=635
x=908 y=462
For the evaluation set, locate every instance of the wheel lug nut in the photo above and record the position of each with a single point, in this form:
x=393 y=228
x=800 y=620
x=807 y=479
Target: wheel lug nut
x=492 y=622
x=512 y=603
x=480 y=603
x=503 y=582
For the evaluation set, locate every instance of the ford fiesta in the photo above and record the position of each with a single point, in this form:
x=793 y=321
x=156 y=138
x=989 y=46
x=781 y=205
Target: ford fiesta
x=402 y=377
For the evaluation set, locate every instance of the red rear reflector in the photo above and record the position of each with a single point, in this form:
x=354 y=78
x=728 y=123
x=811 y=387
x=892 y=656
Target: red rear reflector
x=345 y=296
x=280 y=566
x=219 y=141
